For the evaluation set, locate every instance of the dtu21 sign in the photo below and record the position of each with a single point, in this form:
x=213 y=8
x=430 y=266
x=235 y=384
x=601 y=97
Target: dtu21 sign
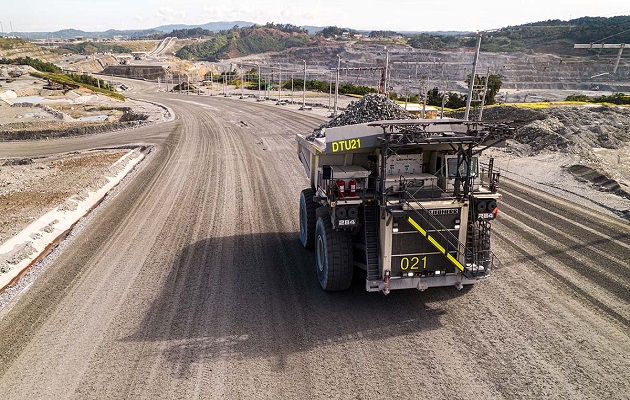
x=346 y=145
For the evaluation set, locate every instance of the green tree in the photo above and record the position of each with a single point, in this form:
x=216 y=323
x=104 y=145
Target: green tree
x=494 y=86
x=333 y=31
x=33 y=62
x=455 y=100
x=190 y=33
x=617 y=98
x=383 y=34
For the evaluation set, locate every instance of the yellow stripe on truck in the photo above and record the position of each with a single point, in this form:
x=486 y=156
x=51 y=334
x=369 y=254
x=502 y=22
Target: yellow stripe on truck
x=454 y=261
x=435 y=243
x=418 y=227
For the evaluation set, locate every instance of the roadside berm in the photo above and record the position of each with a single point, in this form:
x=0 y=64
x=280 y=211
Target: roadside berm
x=42 y=199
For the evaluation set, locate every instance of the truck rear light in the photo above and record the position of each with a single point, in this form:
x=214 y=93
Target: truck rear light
x=341 y=212
x=353 y=212
x=386 y=279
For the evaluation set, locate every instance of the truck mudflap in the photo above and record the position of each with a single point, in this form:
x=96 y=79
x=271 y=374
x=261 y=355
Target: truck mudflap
x=420 y=283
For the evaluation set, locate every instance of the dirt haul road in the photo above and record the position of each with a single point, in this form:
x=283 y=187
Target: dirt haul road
x=190 y=283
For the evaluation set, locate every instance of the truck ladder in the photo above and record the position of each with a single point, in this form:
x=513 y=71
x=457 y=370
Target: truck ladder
x=370 y=218
x=476 y=263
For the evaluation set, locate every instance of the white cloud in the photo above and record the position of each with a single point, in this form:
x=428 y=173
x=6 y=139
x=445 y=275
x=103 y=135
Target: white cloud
x=168 y=14
x=238 y=12
x=357 y=14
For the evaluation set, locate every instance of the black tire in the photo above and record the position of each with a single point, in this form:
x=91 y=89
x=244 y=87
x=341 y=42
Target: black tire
x=307 y=218
x=333 y=251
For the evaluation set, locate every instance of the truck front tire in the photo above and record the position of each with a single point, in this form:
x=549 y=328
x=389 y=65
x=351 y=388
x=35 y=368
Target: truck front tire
x=307 y=218
x=333 y=254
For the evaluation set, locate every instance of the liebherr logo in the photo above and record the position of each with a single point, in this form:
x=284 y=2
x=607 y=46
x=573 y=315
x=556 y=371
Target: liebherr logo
x=444 y=211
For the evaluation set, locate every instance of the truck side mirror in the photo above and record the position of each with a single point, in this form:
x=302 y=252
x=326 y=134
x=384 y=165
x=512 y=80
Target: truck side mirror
x=326 y=172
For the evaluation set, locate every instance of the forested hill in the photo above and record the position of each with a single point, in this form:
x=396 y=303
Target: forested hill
x=552 y=36
x=243 y=41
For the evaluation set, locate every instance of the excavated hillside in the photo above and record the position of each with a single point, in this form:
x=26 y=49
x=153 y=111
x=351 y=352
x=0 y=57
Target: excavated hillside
x=15 y=47
x=92 y=64
x=449 y=69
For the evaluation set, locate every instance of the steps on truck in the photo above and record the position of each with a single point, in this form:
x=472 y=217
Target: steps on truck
x=370 y=218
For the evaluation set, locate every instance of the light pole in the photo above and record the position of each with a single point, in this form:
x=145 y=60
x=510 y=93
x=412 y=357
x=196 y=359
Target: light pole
x=258 y=81
x=337 y=84
x=483 y=96
x=304 y=88
x=279 y=82
x=242 y=81
x=330 y=91
x=386 y=72
x=424 y=98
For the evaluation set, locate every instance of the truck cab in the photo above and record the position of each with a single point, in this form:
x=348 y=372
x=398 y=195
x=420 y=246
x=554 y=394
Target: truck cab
x=447 y=168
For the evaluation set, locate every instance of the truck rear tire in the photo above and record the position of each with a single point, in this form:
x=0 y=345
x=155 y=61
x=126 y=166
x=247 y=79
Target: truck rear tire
x=333 y=254
x=308 y=218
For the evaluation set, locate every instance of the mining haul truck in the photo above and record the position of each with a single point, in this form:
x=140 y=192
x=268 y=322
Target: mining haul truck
x=403 y=200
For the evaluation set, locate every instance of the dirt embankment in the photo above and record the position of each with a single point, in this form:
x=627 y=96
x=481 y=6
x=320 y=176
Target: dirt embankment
x=114 y=119
x=93 y=64
x=14 y=48
x=30 y=187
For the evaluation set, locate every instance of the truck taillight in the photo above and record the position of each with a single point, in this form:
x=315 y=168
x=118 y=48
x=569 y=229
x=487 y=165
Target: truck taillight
x=492 y=204
x=352 y=188
x=341 y=187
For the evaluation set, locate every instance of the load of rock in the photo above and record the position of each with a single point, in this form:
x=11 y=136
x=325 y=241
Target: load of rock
x=372 y=107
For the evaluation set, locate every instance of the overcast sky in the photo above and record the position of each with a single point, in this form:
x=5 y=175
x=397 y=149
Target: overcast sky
x=401 y=15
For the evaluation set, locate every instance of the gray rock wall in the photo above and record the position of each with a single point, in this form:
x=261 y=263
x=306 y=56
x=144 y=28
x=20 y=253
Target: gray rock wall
x=150 y=73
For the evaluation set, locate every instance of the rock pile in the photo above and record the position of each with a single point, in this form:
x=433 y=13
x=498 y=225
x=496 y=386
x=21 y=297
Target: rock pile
x=372 y=107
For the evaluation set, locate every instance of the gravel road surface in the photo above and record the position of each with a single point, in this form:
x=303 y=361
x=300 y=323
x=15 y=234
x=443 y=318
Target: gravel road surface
x=190 y=282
